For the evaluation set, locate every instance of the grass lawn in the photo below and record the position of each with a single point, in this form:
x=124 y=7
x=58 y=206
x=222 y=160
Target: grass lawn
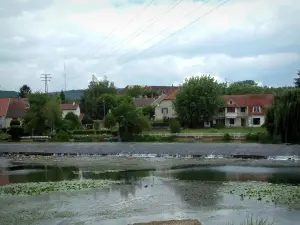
x=213 y=130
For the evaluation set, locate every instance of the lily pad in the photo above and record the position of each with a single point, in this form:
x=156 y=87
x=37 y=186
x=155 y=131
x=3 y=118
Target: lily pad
x=39 y=188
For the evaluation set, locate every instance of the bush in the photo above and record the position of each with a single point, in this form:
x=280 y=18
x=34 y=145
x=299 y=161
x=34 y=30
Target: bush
x=90 y=138
x=90 y=132
x=15 y=122
x=227 y=137
x=152 y=138
x=97 y=124
x=261 y=137
x=109 y=121
x=175 y=126
x=160 y=124
x=16 y=132
x=219 y=126
x=61 y=136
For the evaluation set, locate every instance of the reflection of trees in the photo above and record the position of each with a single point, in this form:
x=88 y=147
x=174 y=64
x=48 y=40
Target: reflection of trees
x=286 y=178
x=198 y=188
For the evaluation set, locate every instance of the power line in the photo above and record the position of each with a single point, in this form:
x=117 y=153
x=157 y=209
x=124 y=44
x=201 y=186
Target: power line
x=113 y=30
x=45 y=78
x=176 y=32
x=138 y=33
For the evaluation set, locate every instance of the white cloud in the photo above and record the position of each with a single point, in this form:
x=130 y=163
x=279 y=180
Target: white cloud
x=240 y=40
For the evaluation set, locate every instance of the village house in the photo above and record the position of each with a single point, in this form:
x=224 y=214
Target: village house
x=239 y=110
x=4 y=103
x=66 y=108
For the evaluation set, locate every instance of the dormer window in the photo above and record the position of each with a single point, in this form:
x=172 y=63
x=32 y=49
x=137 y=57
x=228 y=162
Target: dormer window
x=230 y=102
x=256 y=108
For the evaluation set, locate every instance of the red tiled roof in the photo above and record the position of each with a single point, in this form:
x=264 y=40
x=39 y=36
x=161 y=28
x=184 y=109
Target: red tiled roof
x=263 y=100
x=171 y=95
x=68 y=106
x=4 y=102
x=17 y=108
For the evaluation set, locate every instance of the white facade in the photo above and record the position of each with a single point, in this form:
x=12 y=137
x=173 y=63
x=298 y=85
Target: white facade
x=165 y=110
x=76 y=112
x=256 y=120
x=2 y=122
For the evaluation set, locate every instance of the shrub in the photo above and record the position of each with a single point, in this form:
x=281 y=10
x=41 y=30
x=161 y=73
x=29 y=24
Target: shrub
x=15 y=122
x=152 y=138
x=252 y=137
x=160 y=124
x=61 y=136
x=109 y=121
x=227 y=137
x=261 y=137
x=175 y=126
x=89 y=132
x=97 y=124
x=16 y=132
x=219 y=126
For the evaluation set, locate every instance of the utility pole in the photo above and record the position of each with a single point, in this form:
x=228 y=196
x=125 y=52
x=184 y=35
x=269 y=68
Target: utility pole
x=45 y=78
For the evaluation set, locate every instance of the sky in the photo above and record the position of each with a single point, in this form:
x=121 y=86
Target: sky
x=147 y=42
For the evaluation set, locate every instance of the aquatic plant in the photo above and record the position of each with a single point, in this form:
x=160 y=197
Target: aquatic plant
x=270 y=193
x=249 y=220
x=39 y=188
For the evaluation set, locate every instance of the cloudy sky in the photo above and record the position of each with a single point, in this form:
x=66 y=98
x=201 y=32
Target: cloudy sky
x=147 y=42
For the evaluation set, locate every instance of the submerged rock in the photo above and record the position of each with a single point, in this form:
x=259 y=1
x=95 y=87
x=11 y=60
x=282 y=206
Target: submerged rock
x=171 y=222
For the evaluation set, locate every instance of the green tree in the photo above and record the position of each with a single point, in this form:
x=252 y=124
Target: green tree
x=109 y=121
x=297 y=80
x=16 y=132
x=52 y=113
x=148 y=111
x=104 y=103
x=150 y=94
x=175 y=126
x=87 y=120
x=244 y=87
x=96 y=124
x=15 y=122
x=35 y=119
x=135 y=91
x=24 y=91
x=95 y=89
x=283 y=118
x=74 y=122
x=62 y=97
x=198 y=100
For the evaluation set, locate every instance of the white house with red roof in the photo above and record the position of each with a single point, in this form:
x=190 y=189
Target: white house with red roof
x=239 y=110
x=66 y=108
x=4 y=103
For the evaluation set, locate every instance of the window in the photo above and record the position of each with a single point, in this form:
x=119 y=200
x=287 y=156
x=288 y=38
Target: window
x=230 y=102
x=230 y=109
x=256 y=121
x=231 y=121
x=243 y=109
x=164 y=110
x=256 y=109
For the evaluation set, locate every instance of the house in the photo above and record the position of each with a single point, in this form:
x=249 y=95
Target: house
x=4 y=103
x=239 y=110
x=158 y=89
x=244 y=110
x=164 y=105
x=141 y=102
x=16 y=110
x=66 y=108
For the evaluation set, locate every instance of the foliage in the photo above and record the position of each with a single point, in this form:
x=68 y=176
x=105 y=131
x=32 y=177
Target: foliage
x=109 y=121
x=61 y=136
x=283 y=118
x=16 y=132
x=261 y=137
x=87 y=120
x=153 y=138
x=148 y=111
x=227 y=137
x=39 y=188
x=297 y=80
x=175 y=126
x=15 y=122
x=150 y=94
x=104 y=103
x=62 y=97
x=90 y=132
x=95 y=89
x=91 y=138
x=96 y=124
x=52 y=113
x=24 y=91
x=135 y=91
x=160 y=123
x=198 y=101
x=72 y=120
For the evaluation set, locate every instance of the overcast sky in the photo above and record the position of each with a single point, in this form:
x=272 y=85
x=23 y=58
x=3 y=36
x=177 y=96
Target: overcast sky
x=242 y=39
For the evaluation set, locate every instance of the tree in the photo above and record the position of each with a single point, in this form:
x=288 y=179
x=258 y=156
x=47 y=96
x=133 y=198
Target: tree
x=95 y=89
x=135 y=92
x=35 y=119
x=198 y=100
x=283 y=118
x=52 y=113
x=148 y=111
x=150 y=94
x=15 y=131
x=15 y=122
x=297 y=80
x=87 y=120
x=24 y=91
x=105 y=102
x=62 y=97
x=244 y=87
x=74 y=122
x=109 y=121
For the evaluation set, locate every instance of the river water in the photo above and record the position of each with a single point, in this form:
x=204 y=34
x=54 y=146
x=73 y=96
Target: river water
x=145 y=195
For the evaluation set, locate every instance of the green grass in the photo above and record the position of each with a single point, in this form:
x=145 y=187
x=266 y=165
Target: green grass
x=213 y=130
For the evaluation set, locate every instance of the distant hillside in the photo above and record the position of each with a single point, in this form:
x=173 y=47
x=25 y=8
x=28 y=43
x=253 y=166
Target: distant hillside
x=71 y=95
x=8 y=94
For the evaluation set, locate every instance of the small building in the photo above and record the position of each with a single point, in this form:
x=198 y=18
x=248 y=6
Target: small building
x=4 y=103
x=16 y=110
x=164 y=105
x=66 y=108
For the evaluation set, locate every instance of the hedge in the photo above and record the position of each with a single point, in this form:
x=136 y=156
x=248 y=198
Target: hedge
x=90 y=138
x=160 y=124
x=261 y=137
x=152 y=138
x=90 y=132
